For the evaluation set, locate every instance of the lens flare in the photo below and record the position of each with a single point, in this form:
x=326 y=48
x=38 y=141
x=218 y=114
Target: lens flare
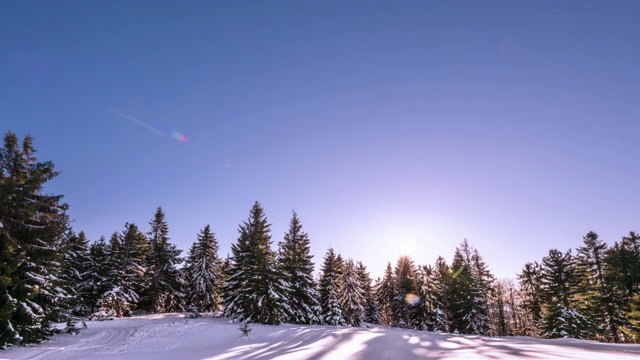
x=160 y=132
x=412 y=299
x=455 y=275
x=178 y=136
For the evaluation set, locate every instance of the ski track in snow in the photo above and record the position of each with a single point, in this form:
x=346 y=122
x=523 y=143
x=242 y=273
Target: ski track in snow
x=173 y=337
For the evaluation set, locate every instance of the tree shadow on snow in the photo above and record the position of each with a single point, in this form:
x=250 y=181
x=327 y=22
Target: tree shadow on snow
x=327 y=342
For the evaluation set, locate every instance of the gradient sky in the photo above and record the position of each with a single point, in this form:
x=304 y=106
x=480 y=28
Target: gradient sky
x=391 y=127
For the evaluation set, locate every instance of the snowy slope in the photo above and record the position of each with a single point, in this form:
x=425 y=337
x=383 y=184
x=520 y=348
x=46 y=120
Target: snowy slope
x=173 y=337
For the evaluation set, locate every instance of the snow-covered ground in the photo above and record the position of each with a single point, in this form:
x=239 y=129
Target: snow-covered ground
x=174 y=337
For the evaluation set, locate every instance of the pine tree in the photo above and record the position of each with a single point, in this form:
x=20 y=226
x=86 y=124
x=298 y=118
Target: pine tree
x=75 y=263
x=125 y=260
x=204 y=273
x=460 y=296
x=482 y=289
x=352 y=295
x=295 y=262
x=442 y=279
x=430 y=311
x=161 y=278
x=385 y=294
x=560 y=284
x=330 y=288
x=255 y=291
x=622 y=275
x=371 y=313
x=601 y=304
x=405 y=302
x=95 y=281
x=531 y=289
x=32 y=224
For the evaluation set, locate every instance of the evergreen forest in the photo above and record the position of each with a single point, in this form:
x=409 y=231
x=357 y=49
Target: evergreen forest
x=48 y=270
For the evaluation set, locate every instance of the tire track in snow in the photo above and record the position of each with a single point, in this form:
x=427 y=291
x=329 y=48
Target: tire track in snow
x=106 y=341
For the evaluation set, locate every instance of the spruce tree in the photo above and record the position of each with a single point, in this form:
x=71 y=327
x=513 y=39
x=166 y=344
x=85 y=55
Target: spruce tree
x=460 y=296
x=560 y=285
x=330 y=288
x=204 y=277
x=75 y=263
x=125 y=260
x=405 y=302
x=601 y=304
x=622 y=271
x=255 y=290
x=482 y=289
x=371 y=313
x=531 y=289
x=295 y=263
x=95 y=281
x=442 y=279
x=386 y=294
x=32 y=224
x=161 y=278
x=352 y=299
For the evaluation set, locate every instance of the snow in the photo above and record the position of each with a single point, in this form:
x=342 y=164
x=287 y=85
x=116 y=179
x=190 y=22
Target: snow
x=174 y=337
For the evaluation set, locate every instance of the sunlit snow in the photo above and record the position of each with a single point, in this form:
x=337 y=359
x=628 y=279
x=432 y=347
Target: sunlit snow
x=174 y=337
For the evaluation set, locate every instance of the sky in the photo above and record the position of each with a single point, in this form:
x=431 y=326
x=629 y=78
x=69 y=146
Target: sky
x=391 y=127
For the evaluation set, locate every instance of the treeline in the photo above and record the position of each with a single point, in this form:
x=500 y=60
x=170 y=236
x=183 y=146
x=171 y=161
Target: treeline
x=46 y=269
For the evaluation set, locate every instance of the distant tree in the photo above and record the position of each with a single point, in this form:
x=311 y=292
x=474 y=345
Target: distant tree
x=296 y=265
x=161 y=291
x=255 y=290
x=204 y=277
x=330 y=288
x=32 y=225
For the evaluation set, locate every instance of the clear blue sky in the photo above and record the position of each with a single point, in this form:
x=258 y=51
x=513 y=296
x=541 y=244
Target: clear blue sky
x=391 y=127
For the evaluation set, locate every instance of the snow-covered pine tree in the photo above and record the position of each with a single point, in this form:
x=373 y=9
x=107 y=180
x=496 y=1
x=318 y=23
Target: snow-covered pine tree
x=560 y=284
x=126 y=255
x=371 y=313
x=32 y=224
x=460 y=297
x=600 y=303
x=75 y=263
x=429 y=312
x=385 y=295
x=499 y=318
x=95 y=281
x=442 y=282
x=204 y=277
x=482 y=288
x=330 y=288
x=405 y=302
x=161 y=292
x=352 y=298
x=622 y=274
x=295 y=263
x=255 y=290
x=532 y=297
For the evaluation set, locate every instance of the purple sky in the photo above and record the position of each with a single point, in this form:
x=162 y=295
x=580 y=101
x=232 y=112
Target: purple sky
x=391 y=127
